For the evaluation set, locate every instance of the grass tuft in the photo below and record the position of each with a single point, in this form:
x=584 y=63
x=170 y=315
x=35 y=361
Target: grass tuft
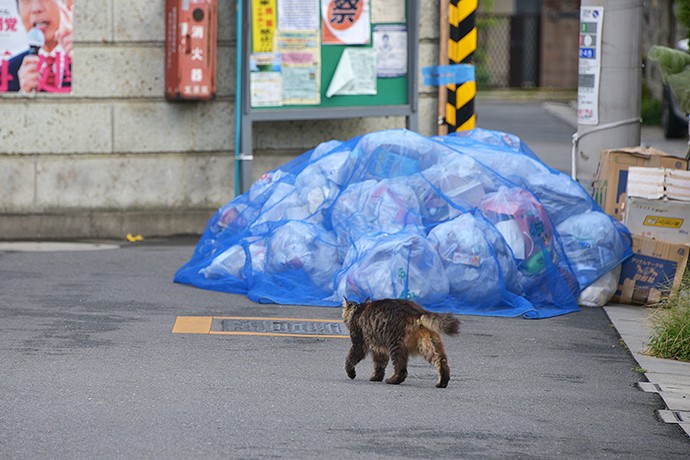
x=671 y=325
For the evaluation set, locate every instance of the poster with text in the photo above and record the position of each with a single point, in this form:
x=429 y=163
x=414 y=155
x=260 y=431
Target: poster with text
x=300 y=65
x=345 y=22
x=35 y=46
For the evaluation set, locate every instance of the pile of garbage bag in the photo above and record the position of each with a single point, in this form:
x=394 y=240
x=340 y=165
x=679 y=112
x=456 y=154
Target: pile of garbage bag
x=469 y=223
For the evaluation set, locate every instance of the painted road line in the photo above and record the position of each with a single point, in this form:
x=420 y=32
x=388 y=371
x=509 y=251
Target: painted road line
x=192 y=325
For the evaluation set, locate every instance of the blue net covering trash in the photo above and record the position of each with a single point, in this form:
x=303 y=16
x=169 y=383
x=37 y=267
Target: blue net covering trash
x=469 y=223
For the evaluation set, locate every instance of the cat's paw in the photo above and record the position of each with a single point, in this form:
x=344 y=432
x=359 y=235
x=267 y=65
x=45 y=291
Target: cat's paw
x=351 y=373
x=395 y=380
x=376 y=377
x=442 y=384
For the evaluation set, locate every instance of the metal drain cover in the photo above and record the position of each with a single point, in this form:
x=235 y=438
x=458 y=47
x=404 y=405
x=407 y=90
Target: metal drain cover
x=242 y=325
x=284 y=327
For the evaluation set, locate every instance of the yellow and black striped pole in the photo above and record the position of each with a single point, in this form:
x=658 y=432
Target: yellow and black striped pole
x=461 y=47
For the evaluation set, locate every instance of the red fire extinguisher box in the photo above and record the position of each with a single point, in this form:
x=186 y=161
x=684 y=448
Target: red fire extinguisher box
x=190 y=49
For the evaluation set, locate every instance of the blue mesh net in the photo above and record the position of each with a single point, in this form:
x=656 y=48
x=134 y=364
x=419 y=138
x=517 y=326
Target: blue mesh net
x=469 y=223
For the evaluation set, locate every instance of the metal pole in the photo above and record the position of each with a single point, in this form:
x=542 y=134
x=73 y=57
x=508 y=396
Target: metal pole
x=443 y=37
x=608 y=103
x=238 y=99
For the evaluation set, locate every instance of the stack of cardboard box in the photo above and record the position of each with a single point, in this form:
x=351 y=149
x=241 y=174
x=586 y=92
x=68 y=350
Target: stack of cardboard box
x=649 y=191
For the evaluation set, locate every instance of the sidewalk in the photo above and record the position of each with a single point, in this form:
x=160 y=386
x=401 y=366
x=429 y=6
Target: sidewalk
x=670 y=379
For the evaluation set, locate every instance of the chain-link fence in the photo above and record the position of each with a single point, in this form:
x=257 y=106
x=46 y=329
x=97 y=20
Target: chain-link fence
x=508 y=51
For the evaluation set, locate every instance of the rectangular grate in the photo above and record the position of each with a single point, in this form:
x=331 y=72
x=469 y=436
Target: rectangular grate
x=284 y=327
x=243 y=325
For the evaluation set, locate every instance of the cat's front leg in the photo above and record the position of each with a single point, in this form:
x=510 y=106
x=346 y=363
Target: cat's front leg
x=356 y=354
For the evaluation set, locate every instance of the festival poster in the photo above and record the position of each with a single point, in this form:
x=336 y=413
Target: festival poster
x=345 y=22
x=35 y=46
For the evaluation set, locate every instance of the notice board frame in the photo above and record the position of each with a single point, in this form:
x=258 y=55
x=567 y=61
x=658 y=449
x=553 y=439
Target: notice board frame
x=403 y=101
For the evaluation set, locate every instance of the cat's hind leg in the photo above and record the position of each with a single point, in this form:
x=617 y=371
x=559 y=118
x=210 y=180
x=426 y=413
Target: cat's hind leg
x=399 y=357
x=431 y=347
x=380 y=363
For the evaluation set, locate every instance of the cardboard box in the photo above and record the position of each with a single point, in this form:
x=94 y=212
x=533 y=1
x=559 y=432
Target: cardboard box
x=646 y=183
x=654 y=267
x=612 y=174
x=657 y=183
x=665 y=220
x=677 y=184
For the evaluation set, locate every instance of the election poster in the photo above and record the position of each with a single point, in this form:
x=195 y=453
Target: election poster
x=35 y=46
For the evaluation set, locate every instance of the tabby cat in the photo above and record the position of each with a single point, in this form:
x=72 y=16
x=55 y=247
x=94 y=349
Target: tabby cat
x=395 y=329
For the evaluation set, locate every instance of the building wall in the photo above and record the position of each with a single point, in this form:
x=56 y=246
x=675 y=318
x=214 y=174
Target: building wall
x=560 y=20
x=115 y=157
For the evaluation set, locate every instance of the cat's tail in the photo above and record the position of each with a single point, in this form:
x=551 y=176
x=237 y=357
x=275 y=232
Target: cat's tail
x=440 y=323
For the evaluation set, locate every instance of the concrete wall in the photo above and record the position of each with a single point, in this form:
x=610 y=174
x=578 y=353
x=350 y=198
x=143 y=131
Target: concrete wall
x=115 y=157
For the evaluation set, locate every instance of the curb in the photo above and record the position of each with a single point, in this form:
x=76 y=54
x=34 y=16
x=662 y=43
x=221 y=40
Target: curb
x=669 y=379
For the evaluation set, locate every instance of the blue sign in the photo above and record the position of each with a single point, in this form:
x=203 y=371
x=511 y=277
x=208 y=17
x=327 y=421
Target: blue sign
x=587 y=53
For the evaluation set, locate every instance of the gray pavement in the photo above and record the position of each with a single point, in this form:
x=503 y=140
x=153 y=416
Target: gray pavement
x=92 y=369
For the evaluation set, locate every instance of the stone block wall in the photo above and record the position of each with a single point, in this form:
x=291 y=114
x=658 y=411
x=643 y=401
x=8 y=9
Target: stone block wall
x=115 y=157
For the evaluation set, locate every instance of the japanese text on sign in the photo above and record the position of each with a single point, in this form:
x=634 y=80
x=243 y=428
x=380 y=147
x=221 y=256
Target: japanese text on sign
x=264 y=25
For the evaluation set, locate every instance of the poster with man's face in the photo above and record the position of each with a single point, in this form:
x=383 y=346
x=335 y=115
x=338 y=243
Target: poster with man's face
x=35 y=46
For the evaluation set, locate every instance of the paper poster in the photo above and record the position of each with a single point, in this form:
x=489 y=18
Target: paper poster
x=345 y=22
x=265 y=80
x=390 y=43
x=12 y=32
x=355 y=73
x=298 y=14
x=263 y=25
x=589 y=65
x=37 y=41
x=301 y=65
x=387 y=11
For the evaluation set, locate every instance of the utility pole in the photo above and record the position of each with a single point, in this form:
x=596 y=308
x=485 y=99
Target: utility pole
x=609 y=88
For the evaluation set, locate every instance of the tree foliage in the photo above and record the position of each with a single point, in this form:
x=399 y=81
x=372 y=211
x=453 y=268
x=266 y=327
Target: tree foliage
x=684 y=13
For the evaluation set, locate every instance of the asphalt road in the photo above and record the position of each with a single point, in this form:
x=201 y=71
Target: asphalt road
x=547 y=128
x=91 y=369
x=549 y=136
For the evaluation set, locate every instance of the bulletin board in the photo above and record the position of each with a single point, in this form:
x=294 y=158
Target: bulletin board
x=395 y=92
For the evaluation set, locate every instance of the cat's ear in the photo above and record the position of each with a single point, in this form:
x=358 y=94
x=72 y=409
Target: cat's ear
x=345 y=302
x=368 y=300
